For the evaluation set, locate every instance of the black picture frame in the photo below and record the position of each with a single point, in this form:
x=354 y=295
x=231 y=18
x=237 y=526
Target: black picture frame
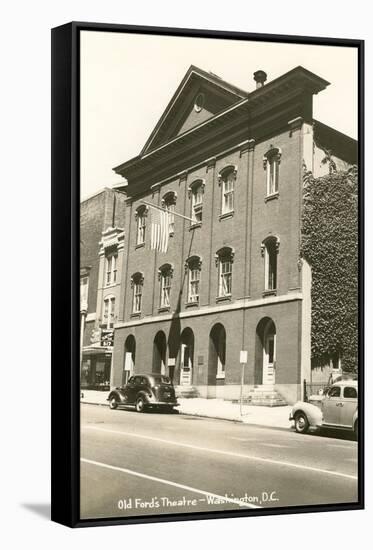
x=65 y=270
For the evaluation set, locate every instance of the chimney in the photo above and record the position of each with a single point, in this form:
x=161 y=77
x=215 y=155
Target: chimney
x=260 y=77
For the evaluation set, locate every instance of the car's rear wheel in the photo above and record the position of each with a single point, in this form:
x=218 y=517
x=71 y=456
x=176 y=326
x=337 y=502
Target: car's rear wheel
x=301 y=423
x=113 y=403
x=140 y=405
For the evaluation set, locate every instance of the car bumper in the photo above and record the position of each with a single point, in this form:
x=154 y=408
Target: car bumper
x=163 y=404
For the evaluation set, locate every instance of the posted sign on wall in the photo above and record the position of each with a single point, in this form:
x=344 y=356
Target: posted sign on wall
x=243 y=356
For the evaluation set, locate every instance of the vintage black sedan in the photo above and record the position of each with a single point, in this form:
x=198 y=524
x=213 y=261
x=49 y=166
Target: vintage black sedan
x=144 y=391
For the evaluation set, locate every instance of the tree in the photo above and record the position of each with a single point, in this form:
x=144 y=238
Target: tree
x=330 y=245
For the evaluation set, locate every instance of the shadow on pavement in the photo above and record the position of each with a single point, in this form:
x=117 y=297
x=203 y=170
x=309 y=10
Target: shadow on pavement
x=131 y=409
x=329 y=433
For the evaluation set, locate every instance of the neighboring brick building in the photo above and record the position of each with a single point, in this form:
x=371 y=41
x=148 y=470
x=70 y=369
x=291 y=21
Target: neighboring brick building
x=101 y=249
x=232 y=280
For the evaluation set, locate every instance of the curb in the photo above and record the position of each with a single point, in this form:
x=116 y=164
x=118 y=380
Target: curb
x=94 y=403
x=237 y=420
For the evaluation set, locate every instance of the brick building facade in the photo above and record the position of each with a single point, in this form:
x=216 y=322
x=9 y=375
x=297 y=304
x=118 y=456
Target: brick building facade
x=101 y=258
x=232 y=278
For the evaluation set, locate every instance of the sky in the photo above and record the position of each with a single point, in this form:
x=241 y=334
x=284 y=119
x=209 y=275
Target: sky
x=127 y=81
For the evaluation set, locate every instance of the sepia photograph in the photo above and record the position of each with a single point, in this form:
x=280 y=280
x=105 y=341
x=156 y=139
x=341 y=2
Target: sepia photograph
x=219 y=275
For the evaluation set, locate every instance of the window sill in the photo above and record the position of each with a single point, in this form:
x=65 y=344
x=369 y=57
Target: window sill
x=227 y=298
x=136 y=314
x=271 y=197
x=163 y=309
x=195 y=225
x=226 y=215
x=110 y=285
x=220 y=376
x=139 y=245
x=269 y=293
x=192 y=304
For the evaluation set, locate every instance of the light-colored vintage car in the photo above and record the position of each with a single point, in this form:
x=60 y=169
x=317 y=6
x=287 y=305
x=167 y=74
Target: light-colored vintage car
x=336 y=409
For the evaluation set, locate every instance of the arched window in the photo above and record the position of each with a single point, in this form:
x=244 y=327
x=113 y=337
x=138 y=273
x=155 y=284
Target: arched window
x=137 y=283
x=141 y=214
x=196 y=190
x=227 y=179
x=271 y=163
x=169 y=202
x=193 y=267
x=224 y=261
x=165 y=273
x=270 y=248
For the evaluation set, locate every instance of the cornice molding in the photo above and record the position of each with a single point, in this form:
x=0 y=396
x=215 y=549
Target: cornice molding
x=210 y=310
x=295 y=124
x=112 y=237
x=210 y=163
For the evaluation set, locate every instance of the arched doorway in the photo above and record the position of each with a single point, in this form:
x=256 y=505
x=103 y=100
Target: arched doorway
x=186 y=357
x=129 y=357
x=265 y=352
x=159 y=353
x=217 y=353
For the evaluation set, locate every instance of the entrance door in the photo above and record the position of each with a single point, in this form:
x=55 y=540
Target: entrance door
x=216 y=361
x=186 y=357
x=159 y=353
x=129 y=358
x=269 y=354
x=186 y=366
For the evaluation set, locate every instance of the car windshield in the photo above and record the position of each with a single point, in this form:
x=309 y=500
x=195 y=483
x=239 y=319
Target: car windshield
x=162 y=380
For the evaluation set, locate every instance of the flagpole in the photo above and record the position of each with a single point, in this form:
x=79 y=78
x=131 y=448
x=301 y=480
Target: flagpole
x=164 y=210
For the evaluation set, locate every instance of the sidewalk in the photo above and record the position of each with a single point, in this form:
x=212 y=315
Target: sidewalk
x=275 y=417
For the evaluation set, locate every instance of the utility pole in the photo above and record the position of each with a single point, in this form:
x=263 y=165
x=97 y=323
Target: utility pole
x=243 y=361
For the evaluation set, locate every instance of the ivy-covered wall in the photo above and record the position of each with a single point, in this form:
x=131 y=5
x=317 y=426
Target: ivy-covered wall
x=330 y=245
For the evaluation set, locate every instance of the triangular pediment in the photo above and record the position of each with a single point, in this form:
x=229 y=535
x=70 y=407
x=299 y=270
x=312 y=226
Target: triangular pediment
x=200 y=96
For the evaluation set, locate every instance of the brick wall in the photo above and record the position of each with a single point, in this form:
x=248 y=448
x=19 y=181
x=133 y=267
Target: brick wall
x=96 y=215
x=241 y=333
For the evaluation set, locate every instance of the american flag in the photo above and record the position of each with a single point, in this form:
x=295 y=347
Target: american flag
x=159 y=229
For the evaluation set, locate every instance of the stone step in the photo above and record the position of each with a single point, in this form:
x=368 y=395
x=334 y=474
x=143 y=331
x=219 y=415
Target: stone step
x=262 y=392
x=261 y=403
x=259 y=389
x=264 y=396
x=186 y=391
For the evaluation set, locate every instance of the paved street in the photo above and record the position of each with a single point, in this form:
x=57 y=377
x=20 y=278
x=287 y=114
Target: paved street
x=135 y=464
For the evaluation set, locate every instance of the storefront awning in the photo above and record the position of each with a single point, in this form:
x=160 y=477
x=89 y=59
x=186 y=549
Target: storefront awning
x=98 y=350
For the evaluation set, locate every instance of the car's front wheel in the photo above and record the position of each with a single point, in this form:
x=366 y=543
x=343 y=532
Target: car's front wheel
x=113 y=403
x=301 y=423
x=140 y=405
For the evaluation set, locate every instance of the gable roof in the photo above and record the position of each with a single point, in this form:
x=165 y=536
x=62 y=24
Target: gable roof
x=170 y=140
x=178 y=115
